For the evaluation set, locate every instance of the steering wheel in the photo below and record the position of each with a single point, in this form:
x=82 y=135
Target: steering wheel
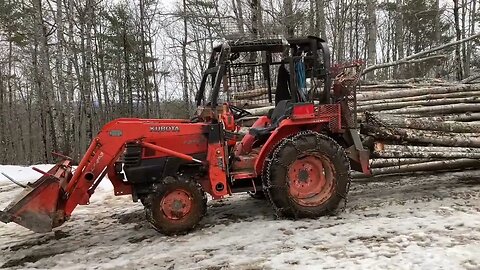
x=238 y=112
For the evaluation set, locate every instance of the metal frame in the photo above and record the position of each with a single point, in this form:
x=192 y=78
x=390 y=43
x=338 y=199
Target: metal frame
x=219 y=65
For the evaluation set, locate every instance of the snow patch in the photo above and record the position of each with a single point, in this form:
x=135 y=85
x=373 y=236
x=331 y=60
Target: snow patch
x=400 y=222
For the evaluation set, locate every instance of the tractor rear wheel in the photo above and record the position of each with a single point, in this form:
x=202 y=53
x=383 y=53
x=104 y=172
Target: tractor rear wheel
x=176 y=206
x=308 y=176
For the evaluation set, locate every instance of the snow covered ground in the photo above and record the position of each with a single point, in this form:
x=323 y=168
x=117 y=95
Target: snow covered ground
x=414 y=222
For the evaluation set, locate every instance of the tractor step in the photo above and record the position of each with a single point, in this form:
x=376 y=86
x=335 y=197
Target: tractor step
x=244 y=162
x=243 y=174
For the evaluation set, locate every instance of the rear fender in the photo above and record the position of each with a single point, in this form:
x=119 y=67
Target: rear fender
x=287 y=128
x=276 y=136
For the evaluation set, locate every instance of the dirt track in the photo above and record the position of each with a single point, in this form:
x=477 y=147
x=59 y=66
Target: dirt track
x=424 y=221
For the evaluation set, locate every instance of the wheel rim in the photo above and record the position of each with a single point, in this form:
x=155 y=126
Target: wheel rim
x=176 y=204
x=311 y=179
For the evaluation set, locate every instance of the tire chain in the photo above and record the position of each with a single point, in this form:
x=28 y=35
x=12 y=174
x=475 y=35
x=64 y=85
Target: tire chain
x=276 y=150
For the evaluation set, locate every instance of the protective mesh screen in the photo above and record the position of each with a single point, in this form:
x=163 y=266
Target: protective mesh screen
x=249 y=78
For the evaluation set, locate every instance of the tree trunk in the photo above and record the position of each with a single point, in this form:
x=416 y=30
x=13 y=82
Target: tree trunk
x=146 y=84
x=357 y=32
x=372 y=34
x=3 y=148
x=89 y=110
x=155 y=84
x=186 y=98
x=61 y=90
x=45 y=79
x=288 y=20
x=9 y=136
x=458 y=59
x=128 y=77
x=466 y=69
x=238 y=10
x=39 y=108
x=103 y=75
x=469 y=45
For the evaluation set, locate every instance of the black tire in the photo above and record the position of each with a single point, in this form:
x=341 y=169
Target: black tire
x=177 y=223
x=292 y=158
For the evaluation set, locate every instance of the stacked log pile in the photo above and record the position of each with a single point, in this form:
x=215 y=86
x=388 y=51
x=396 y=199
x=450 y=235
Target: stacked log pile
x=421 y=126
x=417 y=125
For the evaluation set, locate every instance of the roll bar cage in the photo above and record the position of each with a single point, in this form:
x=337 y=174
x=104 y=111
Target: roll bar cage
x=292 y=51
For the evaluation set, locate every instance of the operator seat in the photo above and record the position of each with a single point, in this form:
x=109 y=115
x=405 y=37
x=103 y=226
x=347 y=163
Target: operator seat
x=278 y=114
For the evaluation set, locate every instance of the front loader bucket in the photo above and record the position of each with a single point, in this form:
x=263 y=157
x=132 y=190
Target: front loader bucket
x=37 y=206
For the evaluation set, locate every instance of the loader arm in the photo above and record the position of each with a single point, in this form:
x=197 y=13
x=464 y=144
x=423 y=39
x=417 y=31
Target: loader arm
x=50 y=201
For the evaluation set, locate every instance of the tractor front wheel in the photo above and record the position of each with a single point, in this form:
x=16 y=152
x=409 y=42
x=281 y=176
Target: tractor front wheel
x=176 y=206
x=307 y=176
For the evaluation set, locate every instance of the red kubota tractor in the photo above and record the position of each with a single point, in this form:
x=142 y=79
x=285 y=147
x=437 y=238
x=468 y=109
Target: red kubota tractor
x=298 y=154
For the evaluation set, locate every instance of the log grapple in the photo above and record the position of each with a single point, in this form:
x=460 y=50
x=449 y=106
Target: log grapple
x=298 y=154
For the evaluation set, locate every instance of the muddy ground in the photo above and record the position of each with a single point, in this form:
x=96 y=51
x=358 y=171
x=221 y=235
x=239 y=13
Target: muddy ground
x=410 y=222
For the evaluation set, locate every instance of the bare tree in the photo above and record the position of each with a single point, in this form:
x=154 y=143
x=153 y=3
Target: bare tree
x=458 y=58
x=372 y=34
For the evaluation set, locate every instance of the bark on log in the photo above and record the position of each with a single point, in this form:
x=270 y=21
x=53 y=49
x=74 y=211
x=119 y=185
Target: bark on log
x=415 y=148
x=399 y=105
x=429 y=166
x=438 y=109
x=389 y=162
x=422 y=97
x=422 y=136
x=250 y=93
x=252 y=105
x=418 y=92
x=464 y=117
x=404 y=81
x=261 y=98
x=436 y=155
x=405 y=115
x=381 y=86
x=471 y=78
x=401 y=87
x=423 y=124
x=260 y=111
